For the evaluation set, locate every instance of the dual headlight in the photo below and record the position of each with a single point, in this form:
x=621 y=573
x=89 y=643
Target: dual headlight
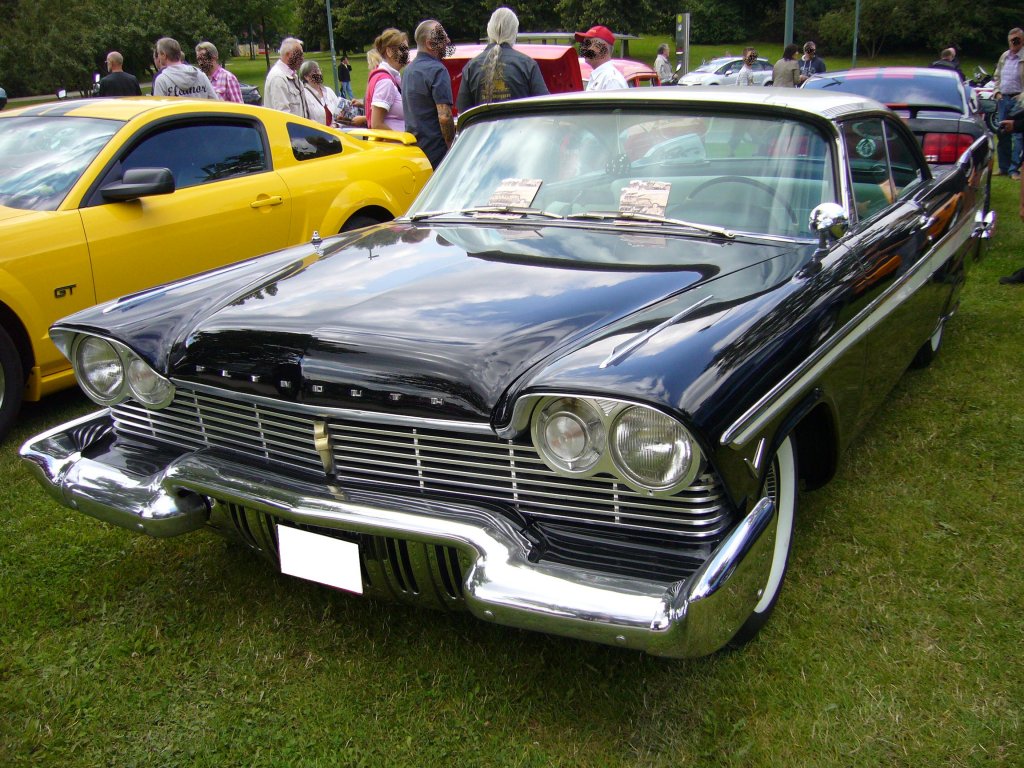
x=109 y=372
x=650 y=451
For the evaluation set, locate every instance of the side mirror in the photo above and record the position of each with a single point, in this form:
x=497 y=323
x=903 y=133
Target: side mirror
x=139 y=182
x=830 y=221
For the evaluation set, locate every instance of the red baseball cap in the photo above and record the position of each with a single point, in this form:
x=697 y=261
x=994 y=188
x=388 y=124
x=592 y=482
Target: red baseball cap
x=601 y=33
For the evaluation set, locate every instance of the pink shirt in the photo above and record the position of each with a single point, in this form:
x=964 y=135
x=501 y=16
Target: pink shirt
x=387 y=96
x=226 y=85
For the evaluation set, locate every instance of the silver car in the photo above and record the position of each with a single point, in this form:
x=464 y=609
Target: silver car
x=723 y=71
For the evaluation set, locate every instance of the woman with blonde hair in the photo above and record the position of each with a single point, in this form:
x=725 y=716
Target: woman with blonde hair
x=384 y=85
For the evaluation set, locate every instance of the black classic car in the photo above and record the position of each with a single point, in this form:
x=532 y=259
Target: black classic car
x=575 y=389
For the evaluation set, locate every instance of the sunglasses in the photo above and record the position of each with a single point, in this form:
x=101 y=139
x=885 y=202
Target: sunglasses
x=1014 y=41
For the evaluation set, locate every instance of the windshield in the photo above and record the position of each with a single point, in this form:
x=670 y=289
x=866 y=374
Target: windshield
x=895 y=88
x=41 y=158
x=740 y=173
x=712 y=65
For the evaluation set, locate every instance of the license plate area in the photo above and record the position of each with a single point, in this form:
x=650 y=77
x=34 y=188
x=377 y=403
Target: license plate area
x=319 y=558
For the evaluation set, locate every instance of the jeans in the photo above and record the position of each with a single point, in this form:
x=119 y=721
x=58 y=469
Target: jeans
x=1008 y=148
x=346 y=89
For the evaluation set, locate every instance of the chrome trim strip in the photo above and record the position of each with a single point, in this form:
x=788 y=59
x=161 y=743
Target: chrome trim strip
x=802 y=378
x=686 y=618
x=624 y=350
x=346 y=414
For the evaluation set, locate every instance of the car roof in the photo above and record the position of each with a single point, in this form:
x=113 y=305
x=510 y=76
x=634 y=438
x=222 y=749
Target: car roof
x=820 y=106
x=127 y=108
x=893 y=72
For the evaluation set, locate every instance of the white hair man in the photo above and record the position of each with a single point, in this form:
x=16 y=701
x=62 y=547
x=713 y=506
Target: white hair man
x=596 y=47
x=500 y=72
x=283 y=89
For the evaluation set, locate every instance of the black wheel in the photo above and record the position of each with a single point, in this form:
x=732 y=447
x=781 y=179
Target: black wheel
x=992 y=121
x=12 y=383
x=930 y=349
x=780 y=483
x=759 y=185
x=358 y=222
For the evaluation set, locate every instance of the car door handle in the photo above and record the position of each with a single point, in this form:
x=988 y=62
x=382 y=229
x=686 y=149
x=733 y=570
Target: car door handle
x=265 y=201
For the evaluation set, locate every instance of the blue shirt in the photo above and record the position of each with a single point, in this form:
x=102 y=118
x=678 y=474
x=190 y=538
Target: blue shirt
x=425 y=84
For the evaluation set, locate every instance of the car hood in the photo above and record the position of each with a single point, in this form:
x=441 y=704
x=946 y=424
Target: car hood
x=438 y=320
x=13 y=213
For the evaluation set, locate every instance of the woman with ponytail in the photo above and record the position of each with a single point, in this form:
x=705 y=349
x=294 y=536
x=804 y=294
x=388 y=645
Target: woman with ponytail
x=500 y=73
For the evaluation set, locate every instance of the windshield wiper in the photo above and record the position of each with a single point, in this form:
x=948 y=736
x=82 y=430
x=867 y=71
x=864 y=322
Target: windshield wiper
x=652 y=219
x=505 y=209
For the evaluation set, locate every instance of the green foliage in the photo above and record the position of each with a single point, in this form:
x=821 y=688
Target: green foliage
x=634 y=17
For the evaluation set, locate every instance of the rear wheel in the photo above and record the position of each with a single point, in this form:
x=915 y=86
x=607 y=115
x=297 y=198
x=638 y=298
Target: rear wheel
x=358 y=222
x=12 y=383
x=780 y=484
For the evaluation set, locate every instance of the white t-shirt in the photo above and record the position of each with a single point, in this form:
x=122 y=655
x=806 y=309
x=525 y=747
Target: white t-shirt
x=606 y=78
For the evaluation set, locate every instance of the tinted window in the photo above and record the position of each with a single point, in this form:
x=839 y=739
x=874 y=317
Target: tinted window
x=41 y=158
x=198 y=153
x=895 y=87
x=309 y=143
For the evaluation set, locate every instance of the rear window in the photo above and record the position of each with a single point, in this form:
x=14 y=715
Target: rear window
x=895 y=88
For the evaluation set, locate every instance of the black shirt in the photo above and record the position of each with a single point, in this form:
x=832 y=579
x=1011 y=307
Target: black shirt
x=119 y=84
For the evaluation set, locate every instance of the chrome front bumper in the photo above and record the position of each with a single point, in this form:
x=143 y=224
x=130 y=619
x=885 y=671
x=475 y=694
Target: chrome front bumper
x=688 y=618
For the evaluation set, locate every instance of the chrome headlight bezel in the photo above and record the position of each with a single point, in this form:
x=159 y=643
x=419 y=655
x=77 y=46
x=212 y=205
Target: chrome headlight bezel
x=137 y=378
x=607 y=417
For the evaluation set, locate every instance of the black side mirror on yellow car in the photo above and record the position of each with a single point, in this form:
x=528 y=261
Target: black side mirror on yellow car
x=139 y=182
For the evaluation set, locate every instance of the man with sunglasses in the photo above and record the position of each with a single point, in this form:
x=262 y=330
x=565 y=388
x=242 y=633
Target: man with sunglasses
x=1008 y=79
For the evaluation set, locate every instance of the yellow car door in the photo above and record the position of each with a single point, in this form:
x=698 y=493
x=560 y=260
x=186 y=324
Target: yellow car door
x=228 y=204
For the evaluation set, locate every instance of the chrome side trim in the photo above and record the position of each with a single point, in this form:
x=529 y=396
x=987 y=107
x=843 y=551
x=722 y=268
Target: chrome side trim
x=687 y=618
x=802 y=378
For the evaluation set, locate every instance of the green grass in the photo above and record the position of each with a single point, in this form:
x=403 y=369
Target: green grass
x=896 y=641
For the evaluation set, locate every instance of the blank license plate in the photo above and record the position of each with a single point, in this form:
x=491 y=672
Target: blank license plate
x=320 y=558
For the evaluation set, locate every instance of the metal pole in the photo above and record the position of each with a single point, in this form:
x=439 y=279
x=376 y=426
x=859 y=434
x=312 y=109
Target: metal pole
x=856 y=31
x=788 y=33
x=330 y=38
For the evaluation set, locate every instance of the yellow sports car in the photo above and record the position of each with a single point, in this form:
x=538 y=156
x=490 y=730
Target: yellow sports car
x=104 y=197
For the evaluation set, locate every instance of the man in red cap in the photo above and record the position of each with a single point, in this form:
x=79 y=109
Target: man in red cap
x=596 y=47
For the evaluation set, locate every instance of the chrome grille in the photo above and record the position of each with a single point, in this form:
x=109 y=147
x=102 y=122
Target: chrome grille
x=442 y=463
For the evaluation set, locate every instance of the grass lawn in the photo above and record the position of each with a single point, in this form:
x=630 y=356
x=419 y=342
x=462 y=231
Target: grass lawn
x=896 y=642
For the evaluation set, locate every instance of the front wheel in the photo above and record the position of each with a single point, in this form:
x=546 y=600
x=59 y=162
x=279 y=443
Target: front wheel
x=780 y=484
x=12 y=383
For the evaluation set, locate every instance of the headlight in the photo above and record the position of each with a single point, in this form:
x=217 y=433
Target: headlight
x=109 y=372
x=569 y=434
x=645 y=449
x=152 y=389
x=653 y=450
x=99 y=369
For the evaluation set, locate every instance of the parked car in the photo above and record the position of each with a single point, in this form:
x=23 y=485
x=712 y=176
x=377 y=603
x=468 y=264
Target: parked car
x=724 y=71
x=936 y=104
x=575 y=389
x=251 y=94
x=637 y=73
x=105 y=197
x=559 y=65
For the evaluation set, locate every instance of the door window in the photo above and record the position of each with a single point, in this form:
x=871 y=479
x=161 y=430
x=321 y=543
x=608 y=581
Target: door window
x=199 y=153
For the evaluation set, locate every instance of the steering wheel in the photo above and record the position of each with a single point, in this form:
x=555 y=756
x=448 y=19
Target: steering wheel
x=760 y=185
